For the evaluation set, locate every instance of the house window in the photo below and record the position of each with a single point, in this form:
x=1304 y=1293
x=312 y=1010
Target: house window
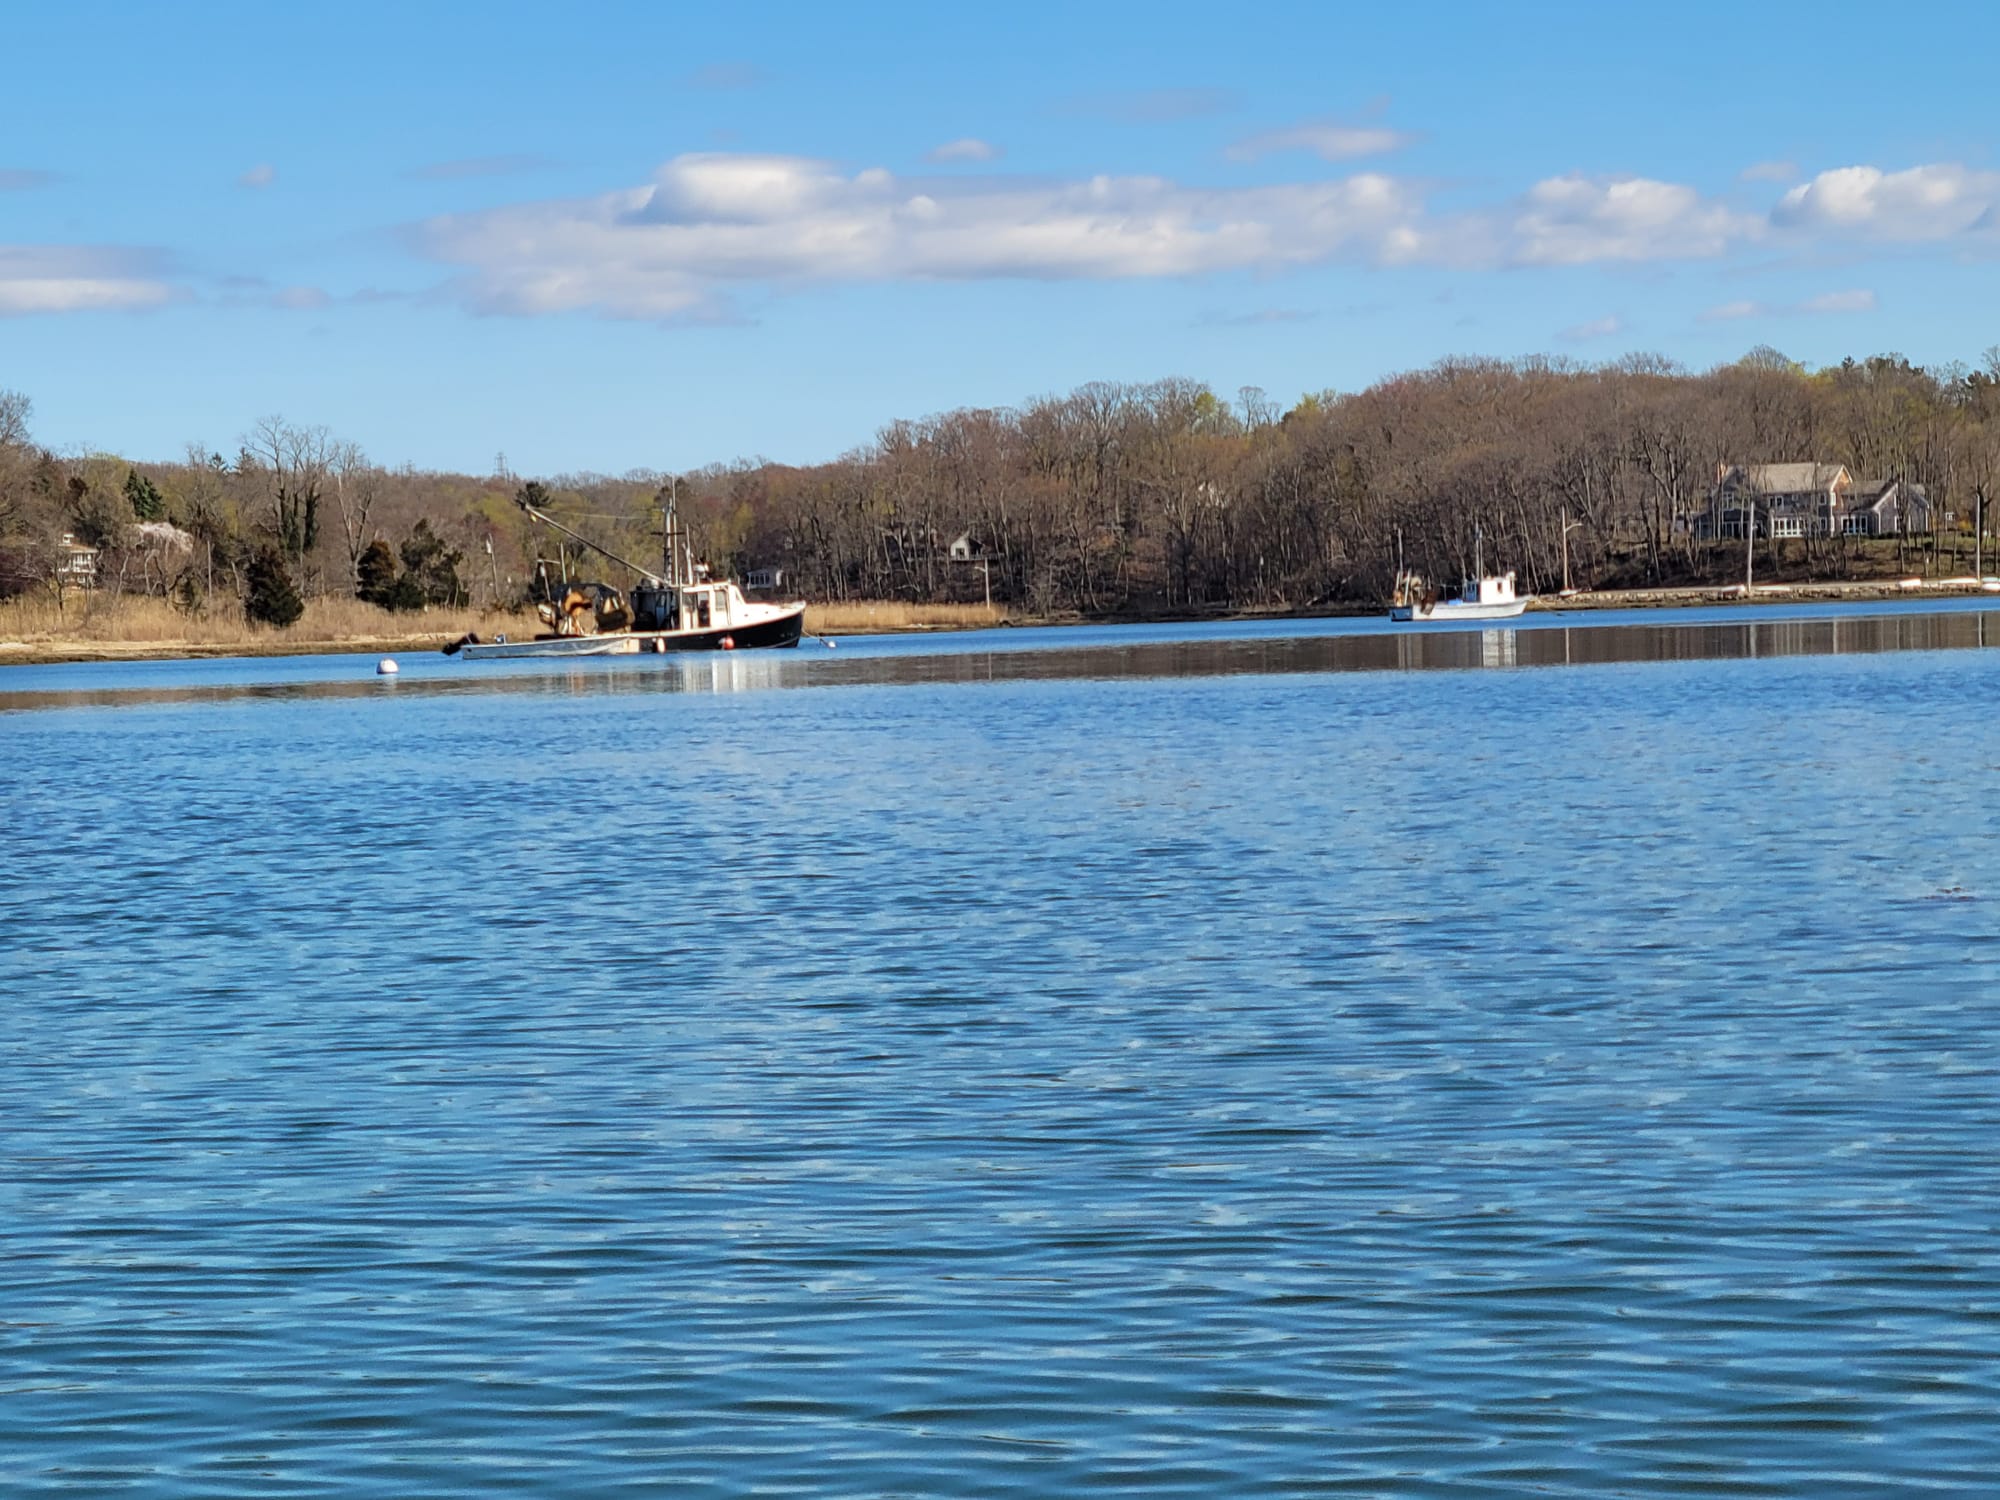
x=1788 y=526
x=1856 y=525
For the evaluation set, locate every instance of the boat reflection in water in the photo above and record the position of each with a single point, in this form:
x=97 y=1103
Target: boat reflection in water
x=999 y=656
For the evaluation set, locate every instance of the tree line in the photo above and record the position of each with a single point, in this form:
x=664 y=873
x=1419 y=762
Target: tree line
x=1112 y=499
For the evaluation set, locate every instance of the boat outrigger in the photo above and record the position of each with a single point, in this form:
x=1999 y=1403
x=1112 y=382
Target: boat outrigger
x=679 y=609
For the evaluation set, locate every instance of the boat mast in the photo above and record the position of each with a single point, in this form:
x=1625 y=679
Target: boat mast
x=667 y=531
x=677 y=555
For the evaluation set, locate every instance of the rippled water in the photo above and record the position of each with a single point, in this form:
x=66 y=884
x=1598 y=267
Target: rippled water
x=1175 y=1067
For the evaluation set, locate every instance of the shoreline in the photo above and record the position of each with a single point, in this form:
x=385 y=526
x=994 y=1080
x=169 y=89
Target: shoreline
x=77 y=652
x=1709 y=596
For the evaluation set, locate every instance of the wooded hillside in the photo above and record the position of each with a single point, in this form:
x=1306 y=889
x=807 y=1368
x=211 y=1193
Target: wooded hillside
x=1111 y=499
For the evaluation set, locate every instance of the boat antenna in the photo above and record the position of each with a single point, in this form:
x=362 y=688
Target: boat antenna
x=550 y=521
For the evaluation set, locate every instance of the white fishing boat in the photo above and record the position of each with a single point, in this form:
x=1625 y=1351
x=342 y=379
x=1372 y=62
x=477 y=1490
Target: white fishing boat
x=1484 y=596
x=682 y=609
x=1491 y=597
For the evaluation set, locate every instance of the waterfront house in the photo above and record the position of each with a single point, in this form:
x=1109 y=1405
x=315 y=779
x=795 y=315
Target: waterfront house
x=1809 y=499
x=1777 y=499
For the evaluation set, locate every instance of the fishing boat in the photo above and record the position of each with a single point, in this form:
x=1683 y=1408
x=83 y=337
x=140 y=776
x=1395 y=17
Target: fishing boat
x=1490 y=597
x=1484 y=596
x=681 y=608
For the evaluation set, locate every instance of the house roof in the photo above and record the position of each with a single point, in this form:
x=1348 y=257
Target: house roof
x=1789 y=479
x=1873 y=494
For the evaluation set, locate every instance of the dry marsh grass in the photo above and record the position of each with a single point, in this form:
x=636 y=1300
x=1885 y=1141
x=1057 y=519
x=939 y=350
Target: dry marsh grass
x=115 y=621
x=35 y=627
x=860 y=616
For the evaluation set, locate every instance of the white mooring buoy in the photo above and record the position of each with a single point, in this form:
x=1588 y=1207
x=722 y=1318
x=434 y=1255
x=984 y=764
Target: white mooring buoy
x=387 y=667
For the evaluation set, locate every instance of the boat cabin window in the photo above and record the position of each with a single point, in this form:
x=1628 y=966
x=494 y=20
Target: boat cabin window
x=701 y=614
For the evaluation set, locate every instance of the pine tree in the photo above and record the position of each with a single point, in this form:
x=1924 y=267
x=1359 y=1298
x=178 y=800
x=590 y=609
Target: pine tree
x=375 y=573
x=147 y=503
x=270 y=598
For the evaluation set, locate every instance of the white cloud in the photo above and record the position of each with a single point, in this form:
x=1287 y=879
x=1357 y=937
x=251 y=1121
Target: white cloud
x=711 y=221
x=1857 y=300
x=967 y=149
x=1596 y=328
x=1770 y=171
x=78 y=278
x=1327 y=139
x=1730 y=312
x=1932 y=202
x=1575 y=220
x=260 y=176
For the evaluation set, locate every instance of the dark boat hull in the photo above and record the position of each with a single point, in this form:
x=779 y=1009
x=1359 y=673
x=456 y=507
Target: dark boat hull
x=761 y=635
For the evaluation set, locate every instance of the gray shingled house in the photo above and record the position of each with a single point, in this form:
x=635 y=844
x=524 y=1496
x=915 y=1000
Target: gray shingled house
x=1810 y=499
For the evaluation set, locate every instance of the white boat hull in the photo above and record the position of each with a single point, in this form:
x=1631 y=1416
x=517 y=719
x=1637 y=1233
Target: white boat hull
x=1452 y=612
x=568 y=645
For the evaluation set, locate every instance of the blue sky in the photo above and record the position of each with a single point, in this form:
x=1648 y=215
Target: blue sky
x=611 y=235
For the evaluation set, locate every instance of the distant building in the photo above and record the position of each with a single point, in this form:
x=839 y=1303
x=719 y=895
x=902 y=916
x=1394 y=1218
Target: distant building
x=1809 y=499
x=967 y=548
x=764 y=580
x=76 y=564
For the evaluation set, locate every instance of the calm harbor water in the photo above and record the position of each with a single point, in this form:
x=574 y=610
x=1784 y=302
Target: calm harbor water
x=1282 y=1059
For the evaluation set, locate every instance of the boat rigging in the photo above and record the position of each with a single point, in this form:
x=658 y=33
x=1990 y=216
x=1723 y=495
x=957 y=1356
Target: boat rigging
x=679 y=607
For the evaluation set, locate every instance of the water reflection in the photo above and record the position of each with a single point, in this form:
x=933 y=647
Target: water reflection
x=1383 y=651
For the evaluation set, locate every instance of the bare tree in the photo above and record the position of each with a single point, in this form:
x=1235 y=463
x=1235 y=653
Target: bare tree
x=356 y=487
x=296 y=463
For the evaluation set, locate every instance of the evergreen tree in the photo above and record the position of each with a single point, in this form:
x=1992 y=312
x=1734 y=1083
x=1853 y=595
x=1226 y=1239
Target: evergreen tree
x=270 y=598
x=147 y=503
x=375 y=573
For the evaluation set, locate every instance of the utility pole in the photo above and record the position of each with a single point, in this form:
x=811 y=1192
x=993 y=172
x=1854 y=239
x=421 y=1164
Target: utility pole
x=1567 y=527
x=1749 y=546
